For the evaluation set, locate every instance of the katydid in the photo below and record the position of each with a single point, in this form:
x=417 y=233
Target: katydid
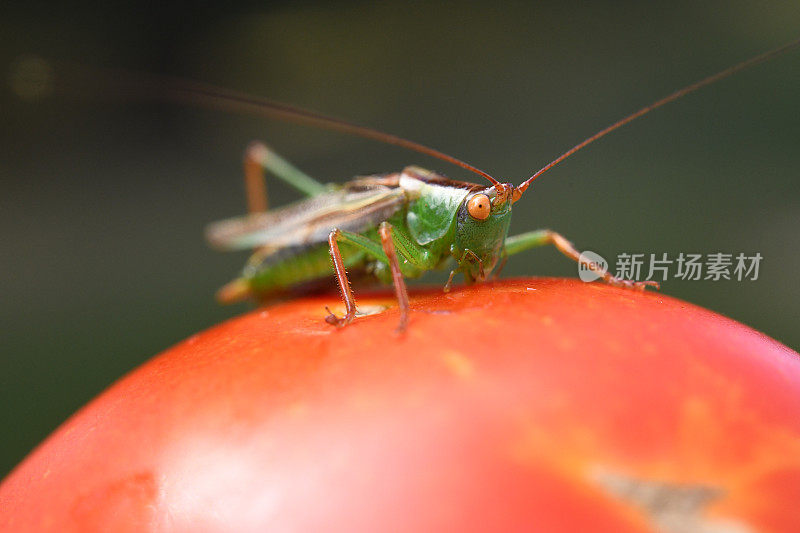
x=391 y=226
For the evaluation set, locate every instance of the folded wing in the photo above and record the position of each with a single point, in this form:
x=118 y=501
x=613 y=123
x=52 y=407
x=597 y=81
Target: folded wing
x=354 y=207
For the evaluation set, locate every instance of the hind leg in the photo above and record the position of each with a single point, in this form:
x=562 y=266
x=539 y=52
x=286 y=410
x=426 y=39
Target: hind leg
x=259 y=159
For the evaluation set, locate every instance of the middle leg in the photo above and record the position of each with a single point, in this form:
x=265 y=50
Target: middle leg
x=394 y=248
x=385 y=231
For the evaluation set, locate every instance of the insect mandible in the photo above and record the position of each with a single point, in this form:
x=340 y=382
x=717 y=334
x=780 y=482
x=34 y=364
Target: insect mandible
x=390 y=226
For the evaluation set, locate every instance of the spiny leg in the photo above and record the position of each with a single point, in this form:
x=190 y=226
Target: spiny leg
x=258 y=158
x=344 y=284
x=385 y=232
x=393 y=242
x=532 y=239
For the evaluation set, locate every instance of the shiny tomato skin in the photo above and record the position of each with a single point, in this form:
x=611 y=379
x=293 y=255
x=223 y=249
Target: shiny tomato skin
x=531 y=404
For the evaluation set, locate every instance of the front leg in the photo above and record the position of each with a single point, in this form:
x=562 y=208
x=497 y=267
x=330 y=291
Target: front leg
x=532 y=239
x=468 y=255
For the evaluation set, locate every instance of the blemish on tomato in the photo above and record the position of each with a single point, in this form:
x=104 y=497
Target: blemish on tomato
x=460 y=365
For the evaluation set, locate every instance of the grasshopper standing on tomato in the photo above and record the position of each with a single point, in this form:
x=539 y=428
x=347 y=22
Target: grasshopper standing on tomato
x=390 y=226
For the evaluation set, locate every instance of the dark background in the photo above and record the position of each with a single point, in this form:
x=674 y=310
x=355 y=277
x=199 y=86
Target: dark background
x=103 y=202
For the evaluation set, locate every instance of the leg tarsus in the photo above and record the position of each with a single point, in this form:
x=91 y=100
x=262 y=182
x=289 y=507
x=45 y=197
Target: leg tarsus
x=339 y=322
x=629 y=284
x=525 y=241
x=566 y=248
x=449 y=284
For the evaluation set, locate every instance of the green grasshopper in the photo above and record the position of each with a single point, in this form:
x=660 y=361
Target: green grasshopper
x=391 y=226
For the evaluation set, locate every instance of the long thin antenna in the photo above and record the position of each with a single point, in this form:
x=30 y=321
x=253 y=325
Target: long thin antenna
x=183 y=91
x=655 y=105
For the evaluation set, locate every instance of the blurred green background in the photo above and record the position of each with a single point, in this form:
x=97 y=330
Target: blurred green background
x=103 y=202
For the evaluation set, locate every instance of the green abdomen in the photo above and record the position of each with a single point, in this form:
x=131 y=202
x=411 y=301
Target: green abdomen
x=297 y=265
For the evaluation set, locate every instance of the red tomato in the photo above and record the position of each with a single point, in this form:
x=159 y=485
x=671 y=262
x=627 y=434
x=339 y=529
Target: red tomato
x=537 y=405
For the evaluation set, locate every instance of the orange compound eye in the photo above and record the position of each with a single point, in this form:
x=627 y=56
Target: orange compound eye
x=479 y=207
